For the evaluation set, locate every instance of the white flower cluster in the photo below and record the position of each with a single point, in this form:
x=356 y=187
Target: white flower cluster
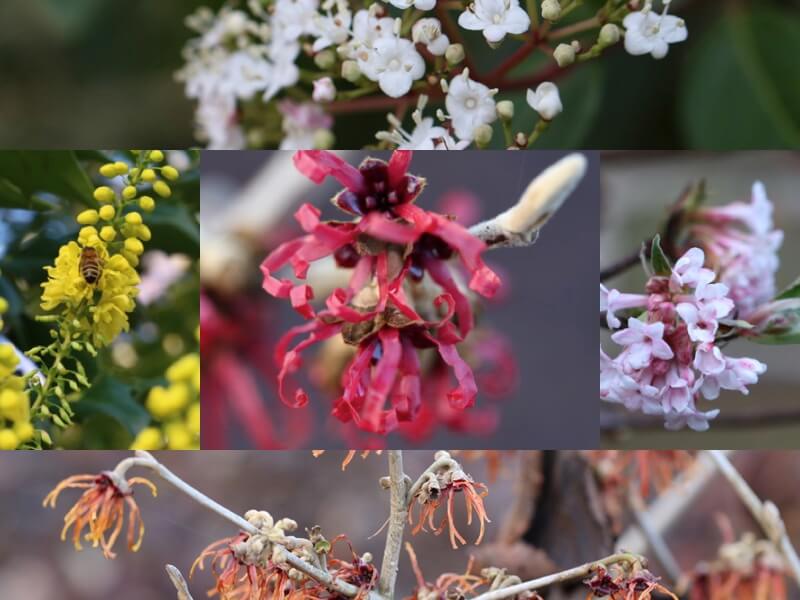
x=241 y=55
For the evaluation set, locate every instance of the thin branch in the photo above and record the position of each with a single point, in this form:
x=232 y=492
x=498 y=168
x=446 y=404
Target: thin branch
x=561 y=577
x=148 y=461
x=520 y=224
x=625 y=263
x=764 y=512
x=653 y=535
x=398 y=511
x=179 y=582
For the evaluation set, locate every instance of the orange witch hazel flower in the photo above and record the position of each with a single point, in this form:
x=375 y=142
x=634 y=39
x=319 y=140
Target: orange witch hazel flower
x=438 y=486
x=101 y=509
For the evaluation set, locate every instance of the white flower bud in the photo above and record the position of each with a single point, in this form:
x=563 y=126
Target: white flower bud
x=324 y=90
x=350 y=71
x=454 y=54
x=324 y=59
x=323 y=139
x=505 y=110
x=483 y=135
x=564 y=55
x=609 y=34
x=551 y=10
x=545 y=100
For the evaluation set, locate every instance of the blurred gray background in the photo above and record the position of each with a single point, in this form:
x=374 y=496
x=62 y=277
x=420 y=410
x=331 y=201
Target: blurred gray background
x=36 y=565
x=548 y=313
x=638 y=188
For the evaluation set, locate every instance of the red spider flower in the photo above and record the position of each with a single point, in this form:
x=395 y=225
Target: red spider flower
x=441 y=489
x=241 y=575
x=638 y=585
x=101 y=509
x=402 y=297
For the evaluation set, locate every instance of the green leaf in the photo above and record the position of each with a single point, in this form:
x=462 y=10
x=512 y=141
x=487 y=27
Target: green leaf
x=741 y=87
x=658 y=260
x=112 y=398
x=54 y=171
x=792 y=291
x=174 y=228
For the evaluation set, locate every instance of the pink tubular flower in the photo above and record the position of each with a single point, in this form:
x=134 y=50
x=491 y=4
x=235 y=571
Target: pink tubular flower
x=741 y=245
x=403 y=295
x=670 y=357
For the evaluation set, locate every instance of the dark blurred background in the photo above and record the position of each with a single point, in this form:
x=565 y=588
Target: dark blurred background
x=545 y=311
x=89 y=73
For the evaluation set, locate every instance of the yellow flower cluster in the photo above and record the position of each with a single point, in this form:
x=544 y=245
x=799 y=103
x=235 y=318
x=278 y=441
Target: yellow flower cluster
x=15 y=417
x=115 y=232
x=102 y=307
x=176 y=409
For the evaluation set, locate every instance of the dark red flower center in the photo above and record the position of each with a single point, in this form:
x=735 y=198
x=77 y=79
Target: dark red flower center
x=379 y=193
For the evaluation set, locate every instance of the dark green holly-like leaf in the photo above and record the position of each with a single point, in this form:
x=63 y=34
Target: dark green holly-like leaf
x=112 y=398
x=33 y=172
x=658 y=260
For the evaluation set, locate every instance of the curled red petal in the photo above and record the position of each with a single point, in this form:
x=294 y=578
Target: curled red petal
x=280 y=288
x=292 y=360
x=440 y=273
x=301 y=297
x=330 y=235
x=398 y=166
x=464 y=394
x=318 y=164
x=338 y=307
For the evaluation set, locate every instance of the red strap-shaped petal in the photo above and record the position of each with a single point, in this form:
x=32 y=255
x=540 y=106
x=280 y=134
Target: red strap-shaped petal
x=379 y=226
x=464 y=394
x=318 y=164
x=280 y=288
x=383 y=376
x=398 y=166
x=440 y=273
x=332 y=236
x=406 y=398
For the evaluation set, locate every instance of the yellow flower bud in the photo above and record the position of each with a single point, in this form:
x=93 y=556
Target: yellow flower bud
x=8 y=440
x=134 y=246
x=129 y=192
x=134 y=218
x=183 y=369
x=193 y=418
x=24 y=431
x=178 y=436
x=3 y=305
x=107 y=212
x=134 y=172
x=148 y=438
x=170 y=172
x=108 y=233
x=104 y=194
x=149 y=175
x=147 y=204
x=88 y=217
x=132 y=259
x=121 y=167
x=143 y=233
x=156 y=155
x=85 y=233
x=162 y=189
x=108 y=170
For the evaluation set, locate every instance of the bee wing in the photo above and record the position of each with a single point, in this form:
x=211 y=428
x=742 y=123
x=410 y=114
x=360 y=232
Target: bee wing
x=520 y=224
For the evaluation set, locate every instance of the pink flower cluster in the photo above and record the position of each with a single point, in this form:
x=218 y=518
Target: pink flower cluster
x=741 y=245
x=670 y=357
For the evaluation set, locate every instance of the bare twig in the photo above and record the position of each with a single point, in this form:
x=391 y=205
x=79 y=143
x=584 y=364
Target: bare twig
x=179 y=582
x=520 y=224
x=148 y=461
x=398 y=511
x=561 y=577
x=764 y=512
x=653 y=535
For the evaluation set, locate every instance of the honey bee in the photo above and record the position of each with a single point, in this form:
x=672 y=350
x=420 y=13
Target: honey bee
x=90 y=266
